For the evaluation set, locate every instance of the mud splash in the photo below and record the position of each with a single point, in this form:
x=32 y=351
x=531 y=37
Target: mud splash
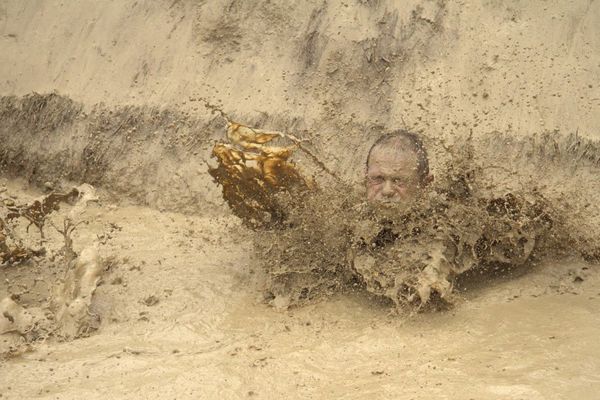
x=485 y=215
x=63 y=312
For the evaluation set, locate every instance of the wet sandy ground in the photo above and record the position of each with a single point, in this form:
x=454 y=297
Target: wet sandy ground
x=183 y=318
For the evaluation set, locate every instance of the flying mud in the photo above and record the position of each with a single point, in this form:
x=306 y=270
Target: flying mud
x=317 y=241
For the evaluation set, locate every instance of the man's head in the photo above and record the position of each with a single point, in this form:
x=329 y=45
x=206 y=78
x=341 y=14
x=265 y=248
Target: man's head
x=397 y=168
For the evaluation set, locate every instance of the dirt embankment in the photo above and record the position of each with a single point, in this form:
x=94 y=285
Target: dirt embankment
x=332 y=68
x=155 y=157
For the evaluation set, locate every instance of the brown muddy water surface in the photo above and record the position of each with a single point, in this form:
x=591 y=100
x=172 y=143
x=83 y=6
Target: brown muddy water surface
x=206 y=332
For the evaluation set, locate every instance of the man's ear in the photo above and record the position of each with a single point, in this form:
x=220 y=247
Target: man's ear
x=428 y=179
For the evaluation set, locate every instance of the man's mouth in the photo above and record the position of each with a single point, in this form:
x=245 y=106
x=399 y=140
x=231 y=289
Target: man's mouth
x=389 y=202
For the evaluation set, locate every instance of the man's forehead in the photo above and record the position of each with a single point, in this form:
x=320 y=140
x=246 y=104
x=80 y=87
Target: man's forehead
x=392 y=154
x=392 y=163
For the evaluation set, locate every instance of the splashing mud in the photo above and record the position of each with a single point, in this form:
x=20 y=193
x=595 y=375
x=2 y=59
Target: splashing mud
x=65 y=311
x=249 y=189
x=477 y=218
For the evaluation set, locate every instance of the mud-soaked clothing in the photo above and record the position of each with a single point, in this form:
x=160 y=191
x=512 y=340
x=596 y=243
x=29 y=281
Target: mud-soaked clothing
x=416 y=256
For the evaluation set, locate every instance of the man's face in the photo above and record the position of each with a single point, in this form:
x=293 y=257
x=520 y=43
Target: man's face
x=392 y=175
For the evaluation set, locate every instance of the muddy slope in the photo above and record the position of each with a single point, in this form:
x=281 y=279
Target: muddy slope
x=152 y=156
x=430 y=64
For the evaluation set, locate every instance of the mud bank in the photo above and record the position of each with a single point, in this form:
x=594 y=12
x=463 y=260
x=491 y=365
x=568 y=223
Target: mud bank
x=158 y=156
x=432 y=65
x=152 y=156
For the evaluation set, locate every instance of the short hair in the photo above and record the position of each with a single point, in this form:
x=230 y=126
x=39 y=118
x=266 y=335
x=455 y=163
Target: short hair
x=413 y=142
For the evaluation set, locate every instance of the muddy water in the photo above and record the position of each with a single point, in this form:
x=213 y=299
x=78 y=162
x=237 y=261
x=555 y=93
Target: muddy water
x=210 y=336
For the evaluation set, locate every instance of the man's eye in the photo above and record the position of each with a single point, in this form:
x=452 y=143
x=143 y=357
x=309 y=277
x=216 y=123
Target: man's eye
x=398 y=181
x=376 y=179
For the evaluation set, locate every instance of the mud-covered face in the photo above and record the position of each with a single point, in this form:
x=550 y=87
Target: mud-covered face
x=392 y=175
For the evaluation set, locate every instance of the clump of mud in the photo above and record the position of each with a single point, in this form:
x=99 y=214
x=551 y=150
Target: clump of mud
x=498 y=204
x=65 y=315
x=250 y=171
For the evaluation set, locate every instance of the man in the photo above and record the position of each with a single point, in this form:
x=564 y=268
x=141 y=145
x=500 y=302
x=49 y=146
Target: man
x=397 y=172
x=397 y=168
x=419 y=256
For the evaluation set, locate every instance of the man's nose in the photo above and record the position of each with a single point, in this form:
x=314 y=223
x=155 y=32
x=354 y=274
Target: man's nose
x=388 y=189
